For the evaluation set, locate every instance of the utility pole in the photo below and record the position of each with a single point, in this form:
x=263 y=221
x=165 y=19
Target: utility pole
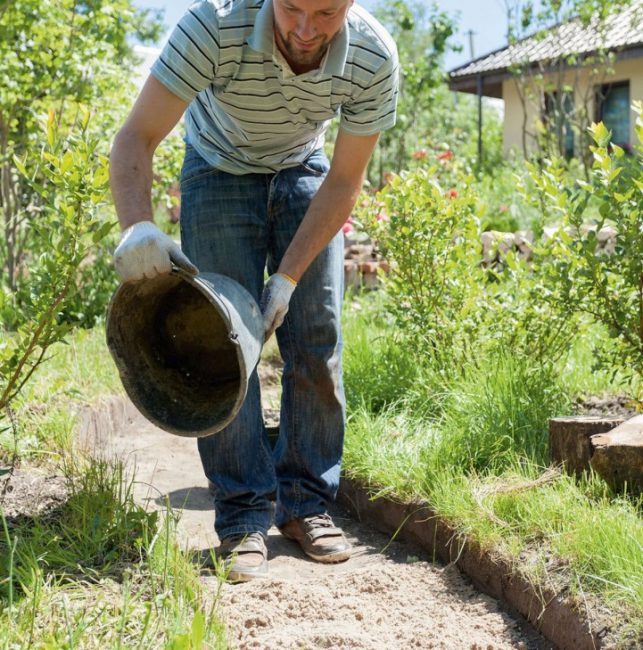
x=479 y=90
x=471 y=34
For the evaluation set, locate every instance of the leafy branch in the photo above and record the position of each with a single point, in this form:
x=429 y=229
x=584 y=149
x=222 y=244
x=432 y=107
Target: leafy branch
x=71 y=169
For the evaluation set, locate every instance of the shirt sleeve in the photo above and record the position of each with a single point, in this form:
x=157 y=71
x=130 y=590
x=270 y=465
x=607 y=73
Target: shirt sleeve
x=373 y=109
x=188 y=62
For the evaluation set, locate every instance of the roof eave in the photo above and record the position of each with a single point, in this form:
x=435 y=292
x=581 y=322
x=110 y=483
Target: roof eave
x=492 y=79
x=491 y=83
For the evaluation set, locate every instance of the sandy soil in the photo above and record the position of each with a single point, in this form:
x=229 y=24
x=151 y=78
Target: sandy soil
x=387 y=597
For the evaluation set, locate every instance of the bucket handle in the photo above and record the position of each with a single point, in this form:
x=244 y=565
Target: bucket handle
x=194 y=277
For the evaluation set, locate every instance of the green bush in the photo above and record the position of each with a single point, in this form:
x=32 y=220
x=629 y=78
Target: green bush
x=70 y=177
x=608 y=287
x=450 y=308
x=430 y=237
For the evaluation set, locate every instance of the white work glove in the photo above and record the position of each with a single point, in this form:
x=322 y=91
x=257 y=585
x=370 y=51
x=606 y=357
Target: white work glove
x=144 y=252
x=274 y=301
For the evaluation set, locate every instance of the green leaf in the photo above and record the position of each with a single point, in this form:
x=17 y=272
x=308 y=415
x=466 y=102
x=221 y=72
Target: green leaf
x=86 y=116
x=198 y=630
x=621 y=198
x=100 y=177
x=102 y=231
x=51 y=134
x=66 y=162
x=20 y=165
x=4 y=472
x=600 y=134
x=605 y=210
x=614 y=173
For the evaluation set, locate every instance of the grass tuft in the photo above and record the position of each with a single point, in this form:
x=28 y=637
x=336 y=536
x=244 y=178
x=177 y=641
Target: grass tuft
x=479 y=457
x=99 y=571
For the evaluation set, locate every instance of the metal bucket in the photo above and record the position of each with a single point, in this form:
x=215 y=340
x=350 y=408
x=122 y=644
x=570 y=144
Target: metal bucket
x=185 y=347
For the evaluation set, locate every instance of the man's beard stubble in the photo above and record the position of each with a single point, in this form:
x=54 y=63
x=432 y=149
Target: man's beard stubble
x=303 y=57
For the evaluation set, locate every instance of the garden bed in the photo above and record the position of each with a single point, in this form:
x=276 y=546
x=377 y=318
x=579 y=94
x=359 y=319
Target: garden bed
x=562 y=619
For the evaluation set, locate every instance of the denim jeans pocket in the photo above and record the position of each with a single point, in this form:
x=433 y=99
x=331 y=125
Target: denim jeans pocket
x=316 y=164
x=194 y=167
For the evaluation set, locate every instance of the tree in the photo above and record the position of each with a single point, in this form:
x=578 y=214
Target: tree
x=422 y=34
x=64 y=54
x=56 y=59
x=558 y=90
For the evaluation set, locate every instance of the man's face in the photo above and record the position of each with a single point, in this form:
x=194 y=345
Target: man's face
x=304 y=28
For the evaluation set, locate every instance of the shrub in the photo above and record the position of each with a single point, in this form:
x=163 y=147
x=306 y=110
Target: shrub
x=446 y=305
x=608 y=287
x=75 y=186
x=430 y=237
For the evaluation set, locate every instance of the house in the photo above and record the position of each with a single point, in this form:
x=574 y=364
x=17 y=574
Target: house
x=579 y=72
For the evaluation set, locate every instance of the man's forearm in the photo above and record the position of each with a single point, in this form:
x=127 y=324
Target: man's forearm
x=328 y=211
x=130 y=177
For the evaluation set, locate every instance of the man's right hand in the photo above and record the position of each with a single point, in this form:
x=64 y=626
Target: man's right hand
x=144 y=252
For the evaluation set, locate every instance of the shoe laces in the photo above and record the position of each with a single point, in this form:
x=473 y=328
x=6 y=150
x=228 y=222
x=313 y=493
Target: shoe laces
x=319 y=521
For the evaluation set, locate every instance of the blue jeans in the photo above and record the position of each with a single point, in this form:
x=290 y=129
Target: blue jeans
x=239 y=226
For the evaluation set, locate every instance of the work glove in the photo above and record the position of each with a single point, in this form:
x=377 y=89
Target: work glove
x=144 y=252
x=274 y=301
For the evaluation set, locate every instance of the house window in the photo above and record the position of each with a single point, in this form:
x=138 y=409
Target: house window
x=613 y=104
x=558 y=111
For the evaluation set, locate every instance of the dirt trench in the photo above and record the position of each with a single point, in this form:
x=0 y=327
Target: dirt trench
x=388 y=596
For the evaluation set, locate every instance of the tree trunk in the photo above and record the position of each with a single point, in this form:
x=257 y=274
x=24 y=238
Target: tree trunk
x=569 y=440
x=618 y=456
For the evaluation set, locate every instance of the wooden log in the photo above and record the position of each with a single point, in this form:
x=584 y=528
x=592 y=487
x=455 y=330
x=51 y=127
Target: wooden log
x=569 y=439
x=618 y=456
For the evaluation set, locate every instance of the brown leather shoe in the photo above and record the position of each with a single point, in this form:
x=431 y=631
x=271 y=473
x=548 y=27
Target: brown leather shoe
x=319 y=538
x=244 y=557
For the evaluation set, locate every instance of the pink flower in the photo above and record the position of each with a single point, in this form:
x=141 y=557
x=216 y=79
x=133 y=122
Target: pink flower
x=420 y=154
x=452 y=194
x=347 y=228
x=382 y=216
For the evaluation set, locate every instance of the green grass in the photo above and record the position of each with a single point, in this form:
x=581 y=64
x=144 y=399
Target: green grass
x=101 y=572
x=75 y=375
x=98 y=571
x=477 y=457
x=379 y=373
x=598 y=536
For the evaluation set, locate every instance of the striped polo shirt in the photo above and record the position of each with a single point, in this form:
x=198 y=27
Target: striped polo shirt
x=247 y=111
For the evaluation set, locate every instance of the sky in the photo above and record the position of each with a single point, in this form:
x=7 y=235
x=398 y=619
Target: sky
x=486 y=18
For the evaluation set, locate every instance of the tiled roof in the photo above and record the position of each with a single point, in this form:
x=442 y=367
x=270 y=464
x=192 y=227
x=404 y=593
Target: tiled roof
x=623 y=30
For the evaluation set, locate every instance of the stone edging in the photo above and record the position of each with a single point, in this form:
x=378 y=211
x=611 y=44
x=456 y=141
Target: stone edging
x=551 y=613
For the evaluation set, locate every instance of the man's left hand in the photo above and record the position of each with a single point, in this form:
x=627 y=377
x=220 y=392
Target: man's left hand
x=275 y=300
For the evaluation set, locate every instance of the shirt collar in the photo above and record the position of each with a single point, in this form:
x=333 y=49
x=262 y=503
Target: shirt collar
x=262 y=40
